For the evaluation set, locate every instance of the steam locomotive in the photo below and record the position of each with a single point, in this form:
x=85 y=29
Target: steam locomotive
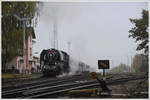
x=54 y=62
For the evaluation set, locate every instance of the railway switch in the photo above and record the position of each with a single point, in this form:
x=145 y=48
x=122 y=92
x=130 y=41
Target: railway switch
x=102 y=82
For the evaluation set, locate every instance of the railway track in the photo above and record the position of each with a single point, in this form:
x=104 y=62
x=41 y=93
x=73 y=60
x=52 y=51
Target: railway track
x=61 y=90
x=50 y=89
x=31 y=82
x=13 y=93
x=23 y=83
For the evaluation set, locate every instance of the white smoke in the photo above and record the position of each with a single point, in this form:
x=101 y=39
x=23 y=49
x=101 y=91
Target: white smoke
x=61 y=13
x=74 y=65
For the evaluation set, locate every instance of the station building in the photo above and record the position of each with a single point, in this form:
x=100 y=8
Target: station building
x=31 y=62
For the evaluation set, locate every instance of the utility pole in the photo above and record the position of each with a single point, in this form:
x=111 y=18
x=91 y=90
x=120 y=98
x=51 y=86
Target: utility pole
x=55 y=37
x=128 y=64
x=24 y=47
x=49 y=40
x=55 y=41
x=69 y=45
x=54 y=34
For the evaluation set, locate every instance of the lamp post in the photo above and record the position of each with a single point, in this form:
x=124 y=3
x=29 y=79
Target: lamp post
x=24 y=47
x=69 y=45
x=24 y=44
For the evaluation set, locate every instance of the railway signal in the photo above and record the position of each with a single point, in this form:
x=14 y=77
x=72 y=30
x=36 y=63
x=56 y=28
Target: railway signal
x=102 y=82
x=103 y=64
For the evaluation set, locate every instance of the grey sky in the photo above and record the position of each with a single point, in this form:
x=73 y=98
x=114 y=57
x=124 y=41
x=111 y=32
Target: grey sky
x=95 y=30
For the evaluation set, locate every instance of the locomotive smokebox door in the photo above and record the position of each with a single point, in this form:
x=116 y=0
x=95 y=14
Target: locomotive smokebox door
x=103 y=64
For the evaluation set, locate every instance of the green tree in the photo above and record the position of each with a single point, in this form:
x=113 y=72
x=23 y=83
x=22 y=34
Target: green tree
x=140 y=31
x=12 y=30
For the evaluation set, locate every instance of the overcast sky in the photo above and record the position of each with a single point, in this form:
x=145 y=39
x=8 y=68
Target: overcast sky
x=96 y=30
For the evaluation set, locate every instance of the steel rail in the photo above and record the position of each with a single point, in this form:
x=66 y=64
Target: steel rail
x=118 y=81
x=40 y=89
x=48 y=83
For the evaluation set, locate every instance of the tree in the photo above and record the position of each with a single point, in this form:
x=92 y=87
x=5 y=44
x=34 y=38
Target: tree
x=140 y=63
x=140 y=31
x=12 y=31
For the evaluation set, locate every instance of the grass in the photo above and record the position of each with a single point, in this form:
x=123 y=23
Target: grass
x=14 y=76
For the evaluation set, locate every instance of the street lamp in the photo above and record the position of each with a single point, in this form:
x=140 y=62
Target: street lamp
x=24 y=44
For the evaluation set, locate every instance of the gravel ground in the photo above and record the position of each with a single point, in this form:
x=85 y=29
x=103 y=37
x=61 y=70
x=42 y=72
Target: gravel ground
x=132 y=88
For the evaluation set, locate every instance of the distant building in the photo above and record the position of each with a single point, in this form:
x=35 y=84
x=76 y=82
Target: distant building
x=17 y=62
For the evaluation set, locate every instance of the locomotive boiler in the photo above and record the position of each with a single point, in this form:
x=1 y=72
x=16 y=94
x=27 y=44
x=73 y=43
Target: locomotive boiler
x=54 y=62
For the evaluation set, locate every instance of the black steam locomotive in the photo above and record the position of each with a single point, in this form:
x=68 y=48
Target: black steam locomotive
x=54 y=62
